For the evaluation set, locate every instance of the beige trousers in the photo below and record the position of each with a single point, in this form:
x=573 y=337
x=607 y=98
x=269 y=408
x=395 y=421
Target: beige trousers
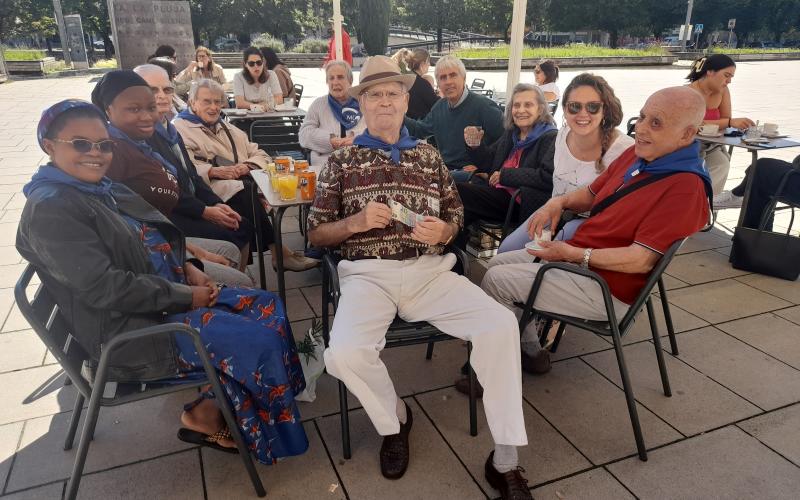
x=424 y=289
x=718 y=163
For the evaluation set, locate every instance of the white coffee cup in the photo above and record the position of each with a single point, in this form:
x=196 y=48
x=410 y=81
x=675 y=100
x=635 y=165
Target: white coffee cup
x=547 y=235
x=709 y=129
x=770 y=128
x=257 y=108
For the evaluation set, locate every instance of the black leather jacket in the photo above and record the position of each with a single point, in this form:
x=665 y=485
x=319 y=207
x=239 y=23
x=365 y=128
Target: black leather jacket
x=101 y=276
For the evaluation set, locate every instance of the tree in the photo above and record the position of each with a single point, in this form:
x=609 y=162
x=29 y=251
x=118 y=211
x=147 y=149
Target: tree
x=374 y=25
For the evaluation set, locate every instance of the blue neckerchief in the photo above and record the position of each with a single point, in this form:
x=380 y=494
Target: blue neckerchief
x=168 y=133
x=187 y=115
x=143 y=147
x=49 y=174
x=405 y=142
x=348 y=114
x=531 y=138
x=686 y=159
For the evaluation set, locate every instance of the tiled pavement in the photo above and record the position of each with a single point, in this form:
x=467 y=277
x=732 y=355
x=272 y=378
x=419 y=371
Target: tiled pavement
x=731 y=429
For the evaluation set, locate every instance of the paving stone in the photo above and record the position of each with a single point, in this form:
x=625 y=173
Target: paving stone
x=16 y=202
x=591 y=412
x=327 y=400
x=772 y=334
x=55 y=490
x=11 y=216
x=15 y=320
x=20 y=350
x=9 y=274
x=124 y=434
x=296 y=305
x=313 y=295
x=725 y=463
x=681 y=321
x=172 y=477
x=432 y=463
x=309 y=475
x=9 y=439
x=412 y=373
x=577 y=342
x=749 y=373
x=791 y=313
x=697 y=403
x=705 y=241
x=34 y=392
x=778 y=430
x=787 y=290
x=723 y=301
x=671 y=283
x=595 y=484
x=9 y=255
x=702 y=267
x=546 y=457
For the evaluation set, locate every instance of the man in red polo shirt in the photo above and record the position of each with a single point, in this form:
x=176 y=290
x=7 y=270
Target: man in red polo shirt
x=624 y=241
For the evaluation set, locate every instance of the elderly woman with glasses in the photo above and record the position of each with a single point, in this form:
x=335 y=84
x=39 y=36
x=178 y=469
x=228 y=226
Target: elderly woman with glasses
x=203 y=66
x=256 y=85
x=522 y=159
x=335 y=119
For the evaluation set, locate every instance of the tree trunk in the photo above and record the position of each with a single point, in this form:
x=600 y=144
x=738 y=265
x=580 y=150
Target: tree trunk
x=374 y=25
x=614 y=38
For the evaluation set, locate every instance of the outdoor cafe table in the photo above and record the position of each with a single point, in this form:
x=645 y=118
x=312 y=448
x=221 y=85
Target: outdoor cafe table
x=243 y=121
x=753 y=148
x=277 y=209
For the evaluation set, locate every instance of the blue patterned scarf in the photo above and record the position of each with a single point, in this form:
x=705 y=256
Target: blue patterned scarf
x=405 y=142
x=533 y=135
x=686 y=159
x=143 y=147
x=48 y=175
x=190 y=117
x=348 y=114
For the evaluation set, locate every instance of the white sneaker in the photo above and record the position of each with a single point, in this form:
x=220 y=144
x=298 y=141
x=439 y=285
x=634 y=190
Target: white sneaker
x=727 y=199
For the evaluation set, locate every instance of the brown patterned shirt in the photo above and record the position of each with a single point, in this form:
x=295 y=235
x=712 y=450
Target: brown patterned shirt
x=355 y=175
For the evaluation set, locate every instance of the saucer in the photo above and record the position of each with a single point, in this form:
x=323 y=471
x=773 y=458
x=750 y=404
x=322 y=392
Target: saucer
x=776 y=135
x=718 y=134
x=756 y=140
x=533 y=245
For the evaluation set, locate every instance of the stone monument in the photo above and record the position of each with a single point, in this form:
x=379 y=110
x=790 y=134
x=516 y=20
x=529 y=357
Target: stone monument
x=75 y=42
x=140 y=26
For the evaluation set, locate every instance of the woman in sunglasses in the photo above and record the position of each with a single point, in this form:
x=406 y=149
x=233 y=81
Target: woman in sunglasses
x=585 y=146
x=114 y=263
x=256 y=85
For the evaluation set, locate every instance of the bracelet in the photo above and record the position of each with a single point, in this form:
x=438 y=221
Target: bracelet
x=587 y=254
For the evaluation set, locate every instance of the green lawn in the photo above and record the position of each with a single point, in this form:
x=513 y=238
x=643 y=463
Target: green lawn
x=23 y=54
x=723 y=50
x=502 y=52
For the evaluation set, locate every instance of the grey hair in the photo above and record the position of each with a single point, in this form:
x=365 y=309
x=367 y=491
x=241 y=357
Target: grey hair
x=150 y=69
x=541 y=102
x=339 y=62
x=205 y=83
x=448 y=62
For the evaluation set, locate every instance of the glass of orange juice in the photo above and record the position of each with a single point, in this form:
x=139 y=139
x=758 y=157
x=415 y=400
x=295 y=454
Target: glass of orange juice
x=300 y=166
x=287 y=187
x=283 y=164
x=273 y=180
x=308 y=185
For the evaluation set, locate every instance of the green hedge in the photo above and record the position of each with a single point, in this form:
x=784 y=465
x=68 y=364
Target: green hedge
x=503 y=52
x=23 y=54
x=311 y=46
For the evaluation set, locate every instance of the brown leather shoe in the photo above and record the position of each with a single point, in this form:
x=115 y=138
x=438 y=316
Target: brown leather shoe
x=462 y=386
x=537 y=364
x=511 y=484
x=395 y=450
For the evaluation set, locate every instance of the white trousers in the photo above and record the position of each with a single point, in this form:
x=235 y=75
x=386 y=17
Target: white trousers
x=424 y=289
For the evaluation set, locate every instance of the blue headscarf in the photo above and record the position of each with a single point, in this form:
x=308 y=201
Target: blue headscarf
x=533 y=135
x=50 y=114
x=50 y=175
x=686 y=159
x=405 y=142
x=348 y=114
x=143 y=147
x=189 y=116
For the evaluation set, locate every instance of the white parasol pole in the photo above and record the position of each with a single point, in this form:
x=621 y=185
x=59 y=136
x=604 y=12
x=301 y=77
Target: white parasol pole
x=337 y=28
x=515 y=55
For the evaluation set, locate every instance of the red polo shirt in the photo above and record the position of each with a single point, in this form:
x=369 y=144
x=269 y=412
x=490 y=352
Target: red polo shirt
x=654 y=216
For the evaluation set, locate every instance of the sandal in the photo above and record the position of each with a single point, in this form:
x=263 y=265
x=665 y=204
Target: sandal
x=211 y=441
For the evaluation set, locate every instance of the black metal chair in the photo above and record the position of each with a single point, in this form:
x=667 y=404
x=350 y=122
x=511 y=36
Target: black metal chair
x=45 y=318
x=616 y=330
x=278 y=136
x=490 y=227
x=478 y=83
x=484 y=92
x=631 y=126
x=298 y=93
x=400 y=333
x=553 y=106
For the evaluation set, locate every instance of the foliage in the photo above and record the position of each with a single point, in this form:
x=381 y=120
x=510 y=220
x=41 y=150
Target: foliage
x=23 y=54
x=311 y=45
x=502 y=52
x=58 y=66
x=265 y=40
x=724 y=50
x=105 y=63
x=374 y=25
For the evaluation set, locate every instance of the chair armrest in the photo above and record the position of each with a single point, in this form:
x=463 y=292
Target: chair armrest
x=510 y=211
x=462 y=259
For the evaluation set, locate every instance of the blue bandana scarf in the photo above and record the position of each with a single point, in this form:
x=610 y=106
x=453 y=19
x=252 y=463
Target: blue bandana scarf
x=531 y=138
x=168 y=133
x=348 y=114
x=190 y=117
x=405 y=142
x=683 y=160
x=48 y=175
x=143 y=147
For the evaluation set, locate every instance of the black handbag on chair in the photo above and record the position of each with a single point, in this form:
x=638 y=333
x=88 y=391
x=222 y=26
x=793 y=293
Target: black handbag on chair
x=767 y=252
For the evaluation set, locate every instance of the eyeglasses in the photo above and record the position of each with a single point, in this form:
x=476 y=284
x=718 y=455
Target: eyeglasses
x=84 y=146
x=166 y=90
x=255 y=63
x=209 y=102
x=592 y=108
x=374 y=97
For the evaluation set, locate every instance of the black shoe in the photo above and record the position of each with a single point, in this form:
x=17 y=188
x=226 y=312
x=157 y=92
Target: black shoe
x=395 y=451
x=537 y=364
x=512 y=485
x=462 y=386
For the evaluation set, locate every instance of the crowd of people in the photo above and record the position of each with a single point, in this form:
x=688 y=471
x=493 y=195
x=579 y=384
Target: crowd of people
x=151 y=193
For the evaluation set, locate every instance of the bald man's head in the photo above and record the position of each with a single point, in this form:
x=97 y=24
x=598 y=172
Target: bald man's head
x=668 y=121
x=158 y=80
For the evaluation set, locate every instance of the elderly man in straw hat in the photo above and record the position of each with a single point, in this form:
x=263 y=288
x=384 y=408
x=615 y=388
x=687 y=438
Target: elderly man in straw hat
x=395 y=267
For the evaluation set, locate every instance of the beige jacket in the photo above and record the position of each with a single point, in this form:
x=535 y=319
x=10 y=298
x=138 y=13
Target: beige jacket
x=217 y=74
x=204 y=144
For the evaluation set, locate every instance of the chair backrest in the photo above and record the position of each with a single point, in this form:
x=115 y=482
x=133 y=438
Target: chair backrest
x=298 y=93
x=631 y=127
x=485 y=92
x=553 y=106
x=478 y=83
x=44 y=316
x=277 y=136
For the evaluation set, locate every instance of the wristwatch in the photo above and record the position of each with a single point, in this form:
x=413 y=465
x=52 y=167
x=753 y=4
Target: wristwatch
x=587 y=254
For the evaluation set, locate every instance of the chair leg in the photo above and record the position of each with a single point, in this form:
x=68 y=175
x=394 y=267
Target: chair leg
x=473 y=397
x=345 y=420
x=628 y=388
x=87 y=434
x=73 y=422
x=662 y=367
x=662 y=292
x=429 y=353
x=557 y=340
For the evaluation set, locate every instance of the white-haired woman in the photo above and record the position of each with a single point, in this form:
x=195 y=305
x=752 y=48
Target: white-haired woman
x=522 y=159
x=333 y=120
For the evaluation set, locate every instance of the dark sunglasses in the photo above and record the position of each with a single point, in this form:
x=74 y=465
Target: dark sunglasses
x=84 y=146
x=255 y=63
x=592 y=108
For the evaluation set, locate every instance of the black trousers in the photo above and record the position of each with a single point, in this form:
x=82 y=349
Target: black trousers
x=769 y=173
x=242 y=202
x=482 y=202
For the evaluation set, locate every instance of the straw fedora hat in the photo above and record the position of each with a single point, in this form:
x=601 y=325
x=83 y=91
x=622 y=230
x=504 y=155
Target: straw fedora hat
x=380 y=69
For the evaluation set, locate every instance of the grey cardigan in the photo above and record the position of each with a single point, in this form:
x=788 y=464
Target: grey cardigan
x=317 y=127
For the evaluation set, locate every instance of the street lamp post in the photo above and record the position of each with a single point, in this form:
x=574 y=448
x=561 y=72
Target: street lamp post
x=686 y=26
x=337 y=29
x=515 y=55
